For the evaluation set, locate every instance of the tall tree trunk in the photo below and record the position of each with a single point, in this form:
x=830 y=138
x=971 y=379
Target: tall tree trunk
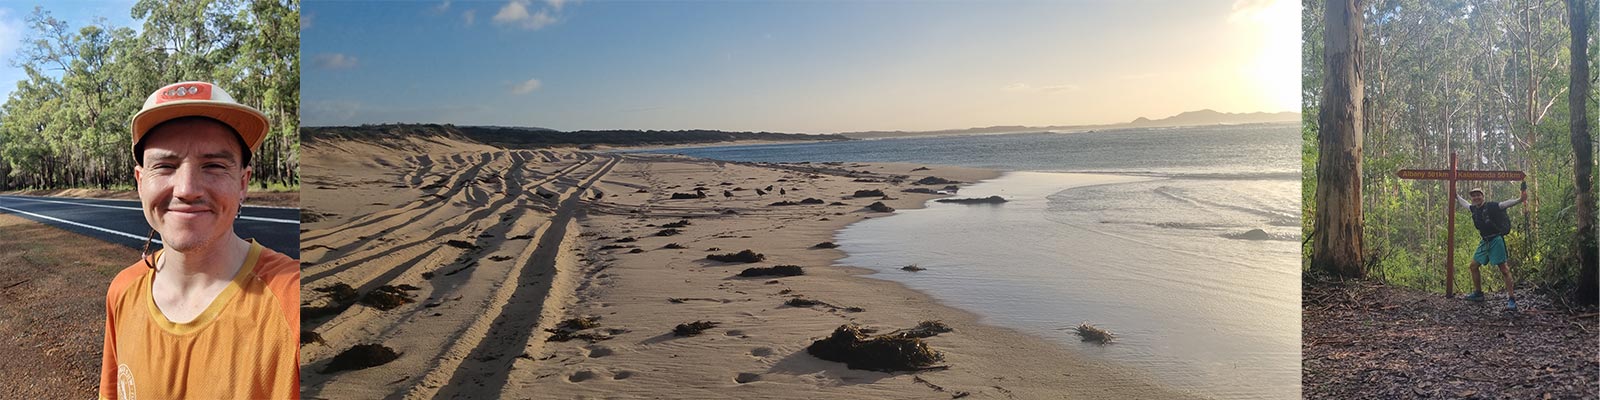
x=1337 y=247
x=1583 y=154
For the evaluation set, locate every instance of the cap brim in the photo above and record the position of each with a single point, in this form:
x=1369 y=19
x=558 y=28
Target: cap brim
x=248 y=122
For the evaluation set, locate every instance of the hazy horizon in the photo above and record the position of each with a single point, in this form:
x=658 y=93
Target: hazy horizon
x=1115 y=125
x=793 y=67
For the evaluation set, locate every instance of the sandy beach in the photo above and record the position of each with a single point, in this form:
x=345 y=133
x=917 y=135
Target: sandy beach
x=465 y=258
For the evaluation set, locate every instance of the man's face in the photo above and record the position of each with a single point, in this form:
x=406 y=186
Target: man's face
x=1476 y=197
x=191 y=182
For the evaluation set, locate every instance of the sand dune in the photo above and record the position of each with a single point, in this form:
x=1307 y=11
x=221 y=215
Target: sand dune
x=502 y=245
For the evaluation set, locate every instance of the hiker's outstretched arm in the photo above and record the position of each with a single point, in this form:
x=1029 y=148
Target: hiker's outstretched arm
x=1512 y=202
x=1463 y=202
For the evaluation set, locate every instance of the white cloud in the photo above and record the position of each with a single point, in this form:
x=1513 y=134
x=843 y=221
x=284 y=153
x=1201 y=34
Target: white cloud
x=470 y=16
x=442 y=7
x=515 y=13
x=511 y=12
x=526 y=87
x=556 y=4
x=1023 y=87
x=334 y=61
x=305 y=21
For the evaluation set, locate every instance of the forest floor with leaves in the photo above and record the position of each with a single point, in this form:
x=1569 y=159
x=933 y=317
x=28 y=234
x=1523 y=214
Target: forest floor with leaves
x=1368 y=340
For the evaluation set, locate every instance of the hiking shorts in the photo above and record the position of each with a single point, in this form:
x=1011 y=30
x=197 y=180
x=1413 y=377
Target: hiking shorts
x=1491 y=251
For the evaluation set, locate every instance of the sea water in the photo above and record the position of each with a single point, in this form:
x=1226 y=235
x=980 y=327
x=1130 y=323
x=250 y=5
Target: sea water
x=1143 y=232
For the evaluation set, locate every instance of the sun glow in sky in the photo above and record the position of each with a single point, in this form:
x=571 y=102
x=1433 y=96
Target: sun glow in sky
x=814 y=67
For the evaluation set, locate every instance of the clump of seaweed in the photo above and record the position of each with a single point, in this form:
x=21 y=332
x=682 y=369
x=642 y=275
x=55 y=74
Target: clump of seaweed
x=387 y=297
x=461 y=244
x=745 y=256
x=1090 y=333
x=781 y=270
x=802 y=302
x=933 y=180
x=868 y=193
x=309 y=216
x=924 y=329
x=361 y=356
x=913 y=268
x=850 y=345
x=579 y=323
x=826 y=245
x=693 y=328
x=309 y=337
x=668 y=232
x=339 y=292
x=975 y=200
x=570 y=329
x=673 y=246
x=681 y=223
x=812 y=200
x=878 y=206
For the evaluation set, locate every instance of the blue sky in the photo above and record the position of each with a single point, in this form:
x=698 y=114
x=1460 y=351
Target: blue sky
x=793 y=66
x=14 y=27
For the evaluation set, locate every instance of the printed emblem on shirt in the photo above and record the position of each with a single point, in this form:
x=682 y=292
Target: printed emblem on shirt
x=125 y=383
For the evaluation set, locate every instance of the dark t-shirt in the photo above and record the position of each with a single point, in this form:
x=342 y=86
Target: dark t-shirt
x=1491 y=218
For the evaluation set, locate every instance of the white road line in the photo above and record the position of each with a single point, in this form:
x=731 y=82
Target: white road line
x=136 y=201
x=243 y=217
x=135 y=237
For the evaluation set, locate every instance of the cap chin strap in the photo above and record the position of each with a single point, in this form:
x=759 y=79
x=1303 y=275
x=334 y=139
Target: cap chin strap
x=144 y=255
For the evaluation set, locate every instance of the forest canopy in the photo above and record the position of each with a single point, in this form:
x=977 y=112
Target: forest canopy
x=66 y=124
x=1487 y=80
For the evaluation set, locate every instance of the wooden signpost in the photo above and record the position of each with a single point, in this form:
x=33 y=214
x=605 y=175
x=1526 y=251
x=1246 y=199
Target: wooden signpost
x=1454 y=175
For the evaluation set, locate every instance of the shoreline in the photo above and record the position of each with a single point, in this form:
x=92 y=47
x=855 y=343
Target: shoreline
x=889 y=305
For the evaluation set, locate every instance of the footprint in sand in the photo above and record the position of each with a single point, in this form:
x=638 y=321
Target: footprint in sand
x=622 y=375
x=734 y=333
x=761 y=351
x=600 y=351
x=747 y=377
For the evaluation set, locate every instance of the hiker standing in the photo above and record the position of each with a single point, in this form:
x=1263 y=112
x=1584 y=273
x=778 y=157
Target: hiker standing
x=1493 y=224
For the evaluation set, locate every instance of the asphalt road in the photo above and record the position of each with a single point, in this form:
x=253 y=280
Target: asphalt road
x=122 y=221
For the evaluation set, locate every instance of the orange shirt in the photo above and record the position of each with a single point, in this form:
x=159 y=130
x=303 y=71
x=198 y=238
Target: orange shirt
x=245 y=345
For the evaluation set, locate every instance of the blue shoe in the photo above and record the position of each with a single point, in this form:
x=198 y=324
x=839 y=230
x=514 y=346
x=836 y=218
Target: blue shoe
x=1511 y=305
x=1475 y=296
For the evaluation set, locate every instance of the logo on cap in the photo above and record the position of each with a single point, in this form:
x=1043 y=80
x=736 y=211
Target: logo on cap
x=184 y=91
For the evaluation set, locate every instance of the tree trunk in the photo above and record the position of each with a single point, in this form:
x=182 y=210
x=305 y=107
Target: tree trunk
x=1583 y=155
x=1337 y=247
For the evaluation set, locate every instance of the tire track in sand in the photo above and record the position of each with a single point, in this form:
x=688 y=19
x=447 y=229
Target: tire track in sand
x=438 y=333
x=483 y=374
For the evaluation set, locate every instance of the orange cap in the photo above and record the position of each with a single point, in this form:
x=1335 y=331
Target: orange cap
x=200 y=99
